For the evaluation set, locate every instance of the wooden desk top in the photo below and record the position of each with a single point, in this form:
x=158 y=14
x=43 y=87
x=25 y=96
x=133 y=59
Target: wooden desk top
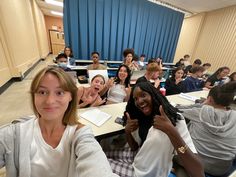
x=117 y=110
x=109 y=127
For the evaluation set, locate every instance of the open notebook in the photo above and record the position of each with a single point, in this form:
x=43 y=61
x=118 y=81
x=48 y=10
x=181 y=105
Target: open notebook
x=95 y=116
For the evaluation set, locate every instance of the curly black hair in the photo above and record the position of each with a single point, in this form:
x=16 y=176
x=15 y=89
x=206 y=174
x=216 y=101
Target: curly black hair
x=145 y=122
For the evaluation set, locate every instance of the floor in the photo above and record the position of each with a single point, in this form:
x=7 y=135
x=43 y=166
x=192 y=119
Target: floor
x=15 y=101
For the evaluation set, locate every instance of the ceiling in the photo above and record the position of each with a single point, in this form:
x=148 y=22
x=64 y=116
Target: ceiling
x=191 y=6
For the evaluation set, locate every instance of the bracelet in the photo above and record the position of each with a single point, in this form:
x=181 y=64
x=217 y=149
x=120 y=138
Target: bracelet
x=183 y=149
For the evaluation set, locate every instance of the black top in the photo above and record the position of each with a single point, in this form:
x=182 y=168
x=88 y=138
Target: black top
x=212 y=79
x=188 y=69
x=142 y=79
x=172 y=88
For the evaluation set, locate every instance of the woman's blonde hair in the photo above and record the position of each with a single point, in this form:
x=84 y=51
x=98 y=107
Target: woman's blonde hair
x=67 y=84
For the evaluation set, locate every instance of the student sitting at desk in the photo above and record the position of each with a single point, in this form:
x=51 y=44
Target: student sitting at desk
x=153 y=71
x=96 y=65
x=212 y=128
x=193 y=83
x=118 y=88
x=68 y=52
x=61 y=60
x=217 y=78
x=128 y=55
x=89 y=96
x=174 y=84
x=154 y=130
x=53 y=143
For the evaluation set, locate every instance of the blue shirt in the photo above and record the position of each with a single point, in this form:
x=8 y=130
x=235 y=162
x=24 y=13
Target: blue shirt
x=192 y=84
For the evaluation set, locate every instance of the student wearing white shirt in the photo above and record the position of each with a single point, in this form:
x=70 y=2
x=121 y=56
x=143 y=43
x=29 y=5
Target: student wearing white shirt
x=53 y=143
x=154 y=130
x=118 y=89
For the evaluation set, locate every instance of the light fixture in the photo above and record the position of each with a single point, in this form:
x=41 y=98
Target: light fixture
x=53 y=2
x=56 y=13
x=159 y=2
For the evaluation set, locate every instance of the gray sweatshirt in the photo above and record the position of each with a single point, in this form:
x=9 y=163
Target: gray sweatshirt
x=214 y=135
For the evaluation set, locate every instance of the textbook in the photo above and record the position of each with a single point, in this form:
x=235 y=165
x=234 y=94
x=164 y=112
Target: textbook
x=95 y=116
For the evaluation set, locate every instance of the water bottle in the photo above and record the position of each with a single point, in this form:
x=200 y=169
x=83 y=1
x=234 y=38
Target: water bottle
x=162 y=89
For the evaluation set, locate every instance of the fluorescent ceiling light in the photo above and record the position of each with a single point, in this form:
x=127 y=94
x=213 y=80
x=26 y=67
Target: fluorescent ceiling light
x=159 y=2
x=53 y=2
x=57 y=13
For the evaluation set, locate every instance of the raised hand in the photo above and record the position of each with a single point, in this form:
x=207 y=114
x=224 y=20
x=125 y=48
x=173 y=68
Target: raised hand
x=132 y=124
x=162 y=122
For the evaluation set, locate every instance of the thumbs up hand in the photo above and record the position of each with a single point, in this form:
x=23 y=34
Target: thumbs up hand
x=162 y=122
x=132 y=124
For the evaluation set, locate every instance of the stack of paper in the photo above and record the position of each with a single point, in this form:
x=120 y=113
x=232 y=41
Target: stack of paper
x=188 y=97
x=95 y=116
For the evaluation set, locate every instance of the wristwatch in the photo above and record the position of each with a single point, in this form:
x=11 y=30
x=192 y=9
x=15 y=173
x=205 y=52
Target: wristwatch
x=183 y=149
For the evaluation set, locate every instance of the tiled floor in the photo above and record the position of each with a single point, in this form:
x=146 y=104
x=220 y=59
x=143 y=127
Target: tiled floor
x=15 y=101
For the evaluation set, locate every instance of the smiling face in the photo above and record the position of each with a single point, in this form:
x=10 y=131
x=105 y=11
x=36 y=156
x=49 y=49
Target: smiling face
x=122 y=74
x=50 y=100
x=97 y=83
x=224 y=73
x=143 y=101
x=128 y=58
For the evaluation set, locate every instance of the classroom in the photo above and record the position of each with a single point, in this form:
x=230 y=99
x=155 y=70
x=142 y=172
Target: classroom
x=158 y=34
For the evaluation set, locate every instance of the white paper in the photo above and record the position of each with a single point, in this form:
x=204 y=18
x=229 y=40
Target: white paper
x=188 y=97
x=95 y=116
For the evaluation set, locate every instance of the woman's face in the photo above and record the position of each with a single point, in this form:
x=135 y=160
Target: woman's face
x=50 y=100
x=143 y=101
x=129 y=58
x=97 y=83
x=122 y=74
x=179 y=74
x=224 y=73
x=67 y=51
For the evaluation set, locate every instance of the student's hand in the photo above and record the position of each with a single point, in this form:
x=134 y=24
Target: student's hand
x=178 y=80
x=132 y=124
x=99 y=102
x=110 y=82
x=162 y=122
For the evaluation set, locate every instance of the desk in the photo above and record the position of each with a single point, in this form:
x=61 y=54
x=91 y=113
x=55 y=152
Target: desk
x=110 y=127
x=176 y=99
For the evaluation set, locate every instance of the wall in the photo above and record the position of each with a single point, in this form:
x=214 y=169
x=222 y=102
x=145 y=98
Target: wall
x=53 y=21
x=20 y=46
x=213 y=38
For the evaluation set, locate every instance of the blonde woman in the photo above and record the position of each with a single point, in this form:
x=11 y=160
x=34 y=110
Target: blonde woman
x=54 y=138
x=89 y=96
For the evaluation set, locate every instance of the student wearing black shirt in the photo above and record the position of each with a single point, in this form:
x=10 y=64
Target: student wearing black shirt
x=217 y=77
x=174 y=85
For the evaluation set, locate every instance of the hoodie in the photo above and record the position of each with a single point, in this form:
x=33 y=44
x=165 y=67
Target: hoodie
x=214 y=135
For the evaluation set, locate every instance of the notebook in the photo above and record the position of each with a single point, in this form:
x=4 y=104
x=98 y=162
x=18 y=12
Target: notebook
x=95 y=116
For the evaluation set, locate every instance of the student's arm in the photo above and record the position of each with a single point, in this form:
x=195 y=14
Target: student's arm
x=107 y=86
x=132 y=125
x=80 y=93
x=189 y=160
x=90 y=158
x=208 y=85
x=127 y=91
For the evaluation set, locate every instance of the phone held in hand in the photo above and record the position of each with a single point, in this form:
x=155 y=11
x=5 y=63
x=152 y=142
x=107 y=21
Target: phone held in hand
x=119 y=120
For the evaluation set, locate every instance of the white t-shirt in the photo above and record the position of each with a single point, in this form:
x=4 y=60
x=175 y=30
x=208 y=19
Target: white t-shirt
x=155 y=156
x=116 y=93
x=47 y=161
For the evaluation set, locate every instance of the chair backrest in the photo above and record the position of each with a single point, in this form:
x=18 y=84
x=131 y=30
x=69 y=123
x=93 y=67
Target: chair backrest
x=92 y=73
x=73 y=75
